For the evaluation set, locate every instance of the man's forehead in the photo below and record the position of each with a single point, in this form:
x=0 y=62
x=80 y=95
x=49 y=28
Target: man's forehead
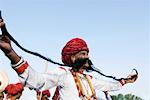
x=83 y=51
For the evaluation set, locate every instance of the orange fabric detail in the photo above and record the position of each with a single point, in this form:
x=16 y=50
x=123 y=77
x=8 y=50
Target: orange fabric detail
x=77 y=83
x=22 y=68
x=80 y=89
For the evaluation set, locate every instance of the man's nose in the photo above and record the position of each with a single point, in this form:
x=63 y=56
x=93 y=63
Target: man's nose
x=86 y=56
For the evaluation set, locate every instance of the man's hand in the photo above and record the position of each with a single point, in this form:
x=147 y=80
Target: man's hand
x=1 y=23
x=131 y=78
x=4 y=41
x=5 y=46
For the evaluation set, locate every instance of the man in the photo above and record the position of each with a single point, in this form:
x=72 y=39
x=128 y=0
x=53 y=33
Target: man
x=72 y=83
x=14 y=91
x=44 y=95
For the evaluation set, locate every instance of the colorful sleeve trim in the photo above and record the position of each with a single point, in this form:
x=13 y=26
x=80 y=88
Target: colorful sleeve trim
x=22 y=68
x=18 y=64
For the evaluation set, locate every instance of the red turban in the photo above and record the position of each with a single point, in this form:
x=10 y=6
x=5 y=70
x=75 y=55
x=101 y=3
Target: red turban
x=72 y=47
x=13 y=89
x=45 y=92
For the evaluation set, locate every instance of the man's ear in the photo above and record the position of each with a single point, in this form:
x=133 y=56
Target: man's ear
x=73 y=58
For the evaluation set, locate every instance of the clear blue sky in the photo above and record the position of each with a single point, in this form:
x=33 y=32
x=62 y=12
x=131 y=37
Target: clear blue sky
x=116 y=31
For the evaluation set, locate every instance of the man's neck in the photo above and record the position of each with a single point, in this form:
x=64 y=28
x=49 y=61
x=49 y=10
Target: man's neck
x=81 y=70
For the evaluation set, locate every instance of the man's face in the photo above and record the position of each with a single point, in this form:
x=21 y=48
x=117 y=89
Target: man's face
x=78 y=56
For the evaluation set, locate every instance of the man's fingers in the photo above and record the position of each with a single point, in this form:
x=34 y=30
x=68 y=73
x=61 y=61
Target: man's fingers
x=135 y=78
x=1 y=20
x=132 y=78
x=4 y=39
x=1 y=36
x=1 y=42
x=2 y=24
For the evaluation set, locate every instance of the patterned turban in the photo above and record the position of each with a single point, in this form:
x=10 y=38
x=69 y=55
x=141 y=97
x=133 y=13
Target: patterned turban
x=72 y=47
x=13 y=89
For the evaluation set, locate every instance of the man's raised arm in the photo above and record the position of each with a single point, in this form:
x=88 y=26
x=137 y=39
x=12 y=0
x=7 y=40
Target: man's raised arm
x=5 y=46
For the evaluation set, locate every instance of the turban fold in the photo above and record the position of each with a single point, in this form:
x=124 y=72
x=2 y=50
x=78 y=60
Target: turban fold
x=13 y=89
x=73 y=46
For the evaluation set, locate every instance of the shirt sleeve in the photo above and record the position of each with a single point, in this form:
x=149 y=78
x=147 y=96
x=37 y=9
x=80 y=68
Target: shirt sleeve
x=34 y=80
x=107 y=85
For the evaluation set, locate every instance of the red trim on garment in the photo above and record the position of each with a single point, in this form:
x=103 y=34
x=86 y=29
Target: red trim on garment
x=90 y=76
x=122 y=82
x=56 y=94
x=22 y=68
x=62 y=68
x=75 y=79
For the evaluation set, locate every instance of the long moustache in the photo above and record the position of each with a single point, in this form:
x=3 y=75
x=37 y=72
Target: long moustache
x=77 y=64
x=93 y=68
x=81 y=61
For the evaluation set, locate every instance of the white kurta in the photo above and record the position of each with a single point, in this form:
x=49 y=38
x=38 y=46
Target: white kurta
x=62 y=78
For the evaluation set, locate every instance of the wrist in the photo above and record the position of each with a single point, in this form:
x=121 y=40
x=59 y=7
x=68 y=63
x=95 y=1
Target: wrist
x=13 y=57
x=8 y=53
x=122 y=81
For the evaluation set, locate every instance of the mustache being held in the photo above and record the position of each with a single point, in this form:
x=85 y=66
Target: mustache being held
x=79 y=63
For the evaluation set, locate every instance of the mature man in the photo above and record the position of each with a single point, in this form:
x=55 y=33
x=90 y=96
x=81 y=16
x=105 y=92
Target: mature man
x=72 y=83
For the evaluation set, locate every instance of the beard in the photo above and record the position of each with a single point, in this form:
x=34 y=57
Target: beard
x=80 y=63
